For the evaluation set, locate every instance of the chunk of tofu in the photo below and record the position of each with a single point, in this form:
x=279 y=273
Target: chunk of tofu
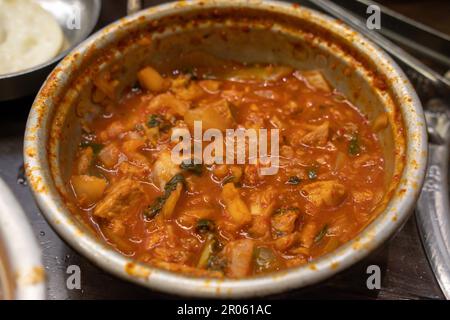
x=262 y=202
x=131 y=148
x=235 y=206
x=215 y=115
x=260 y=227
x=167 y=100
x=283 y=222
x=164 y=169
x=88 y=189
x=317 y=80
x=307 y=234
x=120 y=198
x=109 y=155
x=130 y=170
x=151 y=80
x=171 y=202
x=85 y=158
x=190 y=92
x=317 y=135
x=328 y=193
x=239 y=255
x=285 y=242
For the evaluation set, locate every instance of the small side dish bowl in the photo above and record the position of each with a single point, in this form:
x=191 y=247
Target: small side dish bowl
x=26 y=82
x=244 y=31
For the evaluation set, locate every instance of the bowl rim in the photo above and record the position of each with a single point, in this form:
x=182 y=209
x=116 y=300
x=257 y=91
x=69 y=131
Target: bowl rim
x=62 y=54
x=24 y=274
x=394 y=216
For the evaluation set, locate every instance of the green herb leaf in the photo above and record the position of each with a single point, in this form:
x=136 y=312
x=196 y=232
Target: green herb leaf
x=294 y=180
x=152 y=210
x=312 y=174
x=196 y=168
x=154 y=121
x=205 y=225
x=354 y=147
x=227 y=180
x=171 y=185
x=158 y=121
x=322 y=233
x=96 y=147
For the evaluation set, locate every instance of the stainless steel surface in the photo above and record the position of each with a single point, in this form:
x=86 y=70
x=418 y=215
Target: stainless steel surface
x=66 y=12
x=433 y=211
x=264 y=45
x=438 y=81
x=22 y=275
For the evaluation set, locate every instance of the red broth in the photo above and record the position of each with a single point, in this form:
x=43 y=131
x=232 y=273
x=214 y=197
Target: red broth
x=224 y=220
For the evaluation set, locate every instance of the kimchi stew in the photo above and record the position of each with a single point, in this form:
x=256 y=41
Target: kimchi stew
x=227 y=220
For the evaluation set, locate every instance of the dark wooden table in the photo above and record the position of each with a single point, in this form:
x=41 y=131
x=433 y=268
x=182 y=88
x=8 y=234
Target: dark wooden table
x=405 y=270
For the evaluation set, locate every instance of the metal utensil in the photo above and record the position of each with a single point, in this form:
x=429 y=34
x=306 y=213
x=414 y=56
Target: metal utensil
x=77 y=19
x=418 y=38
x=433 y=210
x=439 y=82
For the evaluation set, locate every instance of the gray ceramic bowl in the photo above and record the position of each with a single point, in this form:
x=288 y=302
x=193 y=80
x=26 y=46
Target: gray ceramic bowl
x=248 y=31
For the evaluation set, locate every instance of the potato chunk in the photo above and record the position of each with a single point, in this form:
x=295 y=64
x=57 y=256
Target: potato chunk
x=151 y=80
x=171 y=202
x=235 y=206
x=109 y=155
x=88 y=189
x=328 y=193
x=239 y=255
x=164 y=169
x=121 y=197
x=318 y=136
x=213 y=116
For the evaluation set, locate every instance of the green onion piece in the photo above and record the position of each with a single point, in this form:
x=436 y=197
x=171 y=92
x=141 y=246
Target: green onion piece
x=294 y=180
x=227 y=180
x=195 y=168
x=354 y=147
x=205 y=225
x=322 y=233
x=151 y=211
